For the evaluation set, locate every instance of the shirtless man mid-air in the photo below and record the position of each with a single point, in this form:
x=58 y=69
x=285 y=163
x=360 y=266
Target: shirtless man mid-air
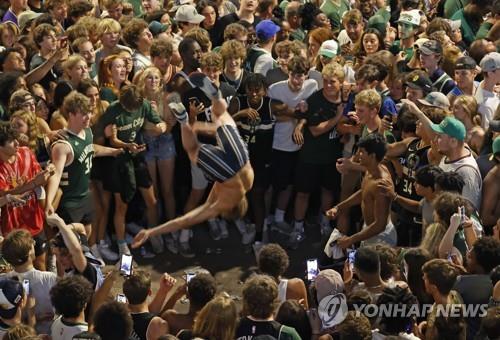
x=227 y=164
x=374 y=205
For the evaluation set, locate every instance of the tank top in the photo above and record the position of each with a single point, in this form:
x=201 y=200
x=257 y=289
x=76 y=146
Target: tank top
x=75 y=177
x=411 y=161
x=141 y=323
x=282 y=286
x=62 y=330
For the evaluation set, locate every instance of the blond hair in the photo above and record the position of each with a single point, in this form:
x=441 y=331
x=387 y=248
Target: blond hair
x=108 y=25
x=217 y=320
x=470 y=106
x=434 y=233
x=71 y=62
x=33 y=130
x=141 y=81
x=369 y=98
x=212 y=59
x=333 y=70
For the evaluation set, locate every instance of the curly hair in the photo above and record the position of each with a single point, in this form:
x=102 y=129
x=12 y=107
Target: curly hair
x=402 y=299
x=33 y=129
x=273 y=260
x=41 y=31
x=133 y=30
x=161 y=48
x=446 y=204
x=260 y=296
x=233 y=49
x=19 y=331
x=355 y=326
x=487 y=252
x=70 y=295
x=75 y=102
x=212 y=59
x=201 y=289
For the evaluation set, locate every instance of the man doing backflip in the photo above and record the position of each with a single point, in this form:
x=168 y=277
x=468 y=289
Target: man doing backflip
x=227 y=164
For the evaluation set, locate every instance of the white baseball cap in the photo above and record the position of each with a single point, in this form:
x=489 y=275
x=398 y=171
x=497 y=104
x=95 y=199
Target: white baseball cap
x=188 y=13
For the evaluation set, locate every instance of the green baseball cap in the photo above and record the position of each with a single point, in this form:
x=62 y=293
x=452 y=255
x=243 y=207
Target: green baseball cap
x=496 y=146
x=452 y=127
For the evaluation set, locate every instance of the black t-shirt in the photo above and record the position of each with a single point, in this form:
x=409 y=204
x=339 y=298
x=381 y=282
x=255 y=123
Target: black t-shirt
x=275 y=75
x=239 y=85
x=232 y=18
x=325 y=148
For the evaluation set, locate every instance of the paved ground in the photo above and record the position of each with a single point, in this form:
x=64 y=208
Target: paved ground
x=228 y=260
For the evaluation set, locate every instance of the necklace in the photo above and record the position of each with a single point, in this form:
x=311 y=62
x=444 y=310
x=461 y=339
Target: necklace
x=260 y=105
x=235 y=83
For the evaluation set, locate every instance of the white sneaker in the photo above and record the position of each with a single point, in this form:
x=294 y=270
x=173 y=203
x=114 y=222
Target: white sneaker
x=248 y=236
x=106 y=252
x=157 y=243
x=171 y=244
x=214 y=230
x=223 y=228
x=123 y=249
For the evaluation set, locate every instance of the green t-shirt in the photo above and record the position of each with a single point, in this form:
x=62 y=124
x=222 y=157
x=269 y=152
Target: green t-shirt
x=325 y=148
x=335 y=9
x=468 y=32
x=452 y=6
x=75 y=177
x=128 y=123
x=396 y=48
x=107 y=94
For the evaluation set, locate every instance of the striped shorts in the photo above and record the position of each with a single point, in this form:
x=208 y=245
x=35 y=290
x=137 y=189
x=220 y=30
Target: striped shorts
x=222 y=161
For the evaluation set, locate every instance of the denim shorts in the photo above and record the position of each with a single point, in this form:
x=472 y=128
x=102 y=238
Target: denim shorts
x=159 y=148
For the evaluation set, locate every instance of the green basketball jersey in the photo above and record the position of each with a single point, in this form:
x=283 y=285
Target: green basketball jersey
x=75 y=177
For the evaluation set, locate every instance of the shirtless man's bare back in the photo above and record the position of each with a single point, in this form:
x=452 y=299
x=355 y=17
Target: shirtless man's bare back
x=374 y=205
x=227 y=164
x=490 y=207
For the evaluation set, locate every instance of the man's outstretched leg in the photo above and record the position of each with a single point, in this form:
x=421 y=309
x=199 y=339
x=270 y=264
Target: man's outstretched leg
x=189 y=138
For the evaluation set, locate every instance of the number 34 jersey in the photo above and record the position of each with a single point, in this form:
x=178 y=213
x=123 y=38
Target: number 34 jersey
x=76 y=176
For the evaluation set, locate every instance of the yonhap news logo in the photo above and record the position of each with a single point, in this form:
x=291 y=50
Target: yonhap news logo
x=332 y=310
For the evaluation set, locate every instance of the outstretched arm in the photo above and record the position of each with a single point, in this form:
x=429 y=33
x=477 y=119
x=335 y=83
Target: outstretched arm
x=200 y=214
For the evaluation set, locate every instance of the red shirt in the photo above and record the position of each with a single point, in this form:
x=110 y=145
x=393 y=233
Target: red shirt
x=27 y=216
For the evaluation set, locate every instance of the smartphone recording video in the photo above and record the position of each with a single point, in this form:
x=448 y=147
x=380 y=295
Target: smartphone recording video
x=126 y=265
x=312 y=269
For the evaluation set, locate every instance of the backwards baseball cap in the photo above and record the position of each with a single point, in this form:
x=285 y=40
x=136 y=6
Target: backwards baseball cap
x=452 y=127
x=465 y=63
x=490 y=62
x=188 y=13
x=25 y=18
x=496 y=146
x=455 y=24
x=329 y=48
x=266 y=29
x=411 y=17
x=431 y=47
x=328 y=282
x=11 y=295
x=420 y=82
x=156 y=27
x=436 y=99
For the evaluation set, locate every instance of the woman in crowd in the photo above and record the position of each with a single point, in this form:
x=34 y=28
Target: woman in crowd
x=75 y=70
x=160 y=154
x=112 y=76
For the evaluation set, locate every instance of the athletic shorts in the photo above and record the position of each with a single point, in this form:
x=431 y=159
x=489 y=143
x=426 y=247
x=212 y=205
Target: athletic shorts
x=159 y=148
x=221 y=162
x=310 y=176
x=198 y=179
x=40 y=243
x=77 y=213
x=141 y=174
x=283 y=165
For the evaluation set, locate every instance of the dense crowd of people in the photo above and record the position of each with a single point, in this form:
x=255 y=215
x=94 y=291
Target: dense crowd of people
x=373 y=123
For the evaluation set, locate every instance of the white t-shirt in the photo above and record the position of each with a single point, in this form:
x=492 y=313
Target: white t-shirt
x=488 y=103
x=468 y=169
x=264 y=62
x=343 y=38
x=40 y=285
x=283 y=131
x=62 y=330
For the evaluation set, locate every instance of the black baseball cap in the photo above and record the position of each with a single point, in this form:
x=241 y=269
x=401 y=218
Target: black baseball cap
x=11 y=295
x=431 y=47
x=495 y=125
x=465 y=63
x=419 y=82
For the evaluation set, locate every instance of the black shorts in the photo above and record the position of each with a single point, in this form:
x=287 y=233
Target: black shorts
x=262 y=173
x=77 y=213
x=283 y=165
x=100 y=169
x=222 y=161
x=119 y=176
x=311 y=176
x=40 y=243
